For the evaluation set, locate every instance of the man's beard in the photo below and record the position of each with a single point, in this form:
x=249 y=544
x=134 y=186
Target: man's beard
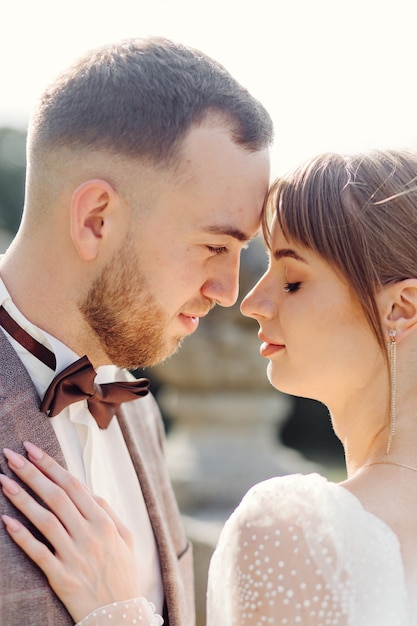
x=128 y=322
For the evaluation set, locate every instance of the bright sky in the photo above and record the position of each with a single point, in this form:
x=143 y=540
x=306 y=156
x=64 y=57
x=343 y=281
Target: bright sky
x=335 y=75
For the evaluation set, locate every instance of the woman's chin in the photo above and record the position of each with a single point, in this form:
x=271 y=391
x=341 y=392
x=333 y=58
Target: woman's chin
x=275 y=379
x=289 y=387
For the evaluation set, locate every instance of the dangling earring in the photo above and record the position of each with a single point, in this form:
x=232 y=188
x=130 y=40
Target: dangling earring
x=392 y=360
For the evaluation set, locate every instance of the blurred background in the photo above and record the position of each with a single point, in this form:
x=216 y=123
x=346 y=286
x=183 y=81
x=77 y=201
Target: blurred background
x=335 y=76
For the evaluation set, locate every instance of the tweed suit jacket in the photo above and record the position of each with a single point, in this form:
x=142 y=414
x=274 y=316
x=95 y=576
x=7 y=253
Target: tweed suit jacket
x=25 y=595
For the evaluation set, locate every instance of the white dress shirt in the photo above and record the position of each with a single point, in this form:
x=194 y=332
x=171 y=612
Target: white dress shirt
x=97 y=457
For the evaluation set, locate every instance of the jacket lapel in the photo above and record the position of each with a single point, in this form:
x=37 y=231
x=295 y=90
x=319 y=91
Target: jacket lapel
x=20 y=417
x=25 y=596
x=147 y=456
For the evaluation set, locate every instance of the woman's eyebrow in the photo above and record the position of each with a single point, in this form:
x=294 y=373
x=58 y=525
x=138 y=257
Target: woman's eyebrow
x=280 y=253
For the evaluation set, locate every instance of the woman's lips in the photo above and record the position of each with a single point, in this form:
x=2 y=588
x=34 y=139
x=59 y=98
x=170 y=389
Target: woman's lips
x=268 y=349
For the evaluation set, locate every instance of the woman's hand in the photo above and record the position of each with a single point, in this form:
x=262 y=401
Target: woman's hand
x=94 y=562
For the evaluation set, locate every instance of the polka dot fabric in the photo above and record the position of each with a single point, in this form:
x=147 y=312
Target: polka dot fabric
x=137 y=611
x=301 y=550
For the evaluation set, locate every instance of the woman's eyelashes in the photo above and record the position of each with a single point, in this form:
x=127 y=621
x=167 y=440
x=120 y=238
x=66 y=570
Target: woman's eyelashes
x=291 y=287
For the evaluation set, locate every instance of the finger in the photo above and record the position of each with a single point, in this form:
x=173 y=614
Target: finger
x=45 y=521
x=75 y=489
x=70 y=552
x=63 y=522
x=61 y=491
x=64 y=583
x=35 y=549
x=70 y=500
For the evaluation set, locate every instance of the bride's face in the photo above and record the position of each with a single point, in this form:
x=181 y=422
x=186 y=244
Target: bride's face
x=312 y=327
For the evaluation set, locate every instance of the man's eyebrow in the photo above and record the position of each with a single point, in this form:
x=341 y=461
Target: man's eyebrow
x=229 y=231
x=287 y=252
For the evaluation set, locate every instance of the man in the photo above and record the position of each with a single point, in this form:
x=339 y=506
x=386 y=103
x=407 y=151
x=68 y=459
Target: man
x=147 y=167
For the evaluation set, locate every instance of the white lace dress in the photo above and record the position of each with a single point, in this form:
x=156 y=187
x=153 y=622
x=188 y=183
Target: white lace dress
x=302 y=550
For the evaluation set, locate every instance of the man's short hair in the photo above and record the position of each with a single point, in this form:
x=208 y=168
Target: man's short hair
x=139 y=97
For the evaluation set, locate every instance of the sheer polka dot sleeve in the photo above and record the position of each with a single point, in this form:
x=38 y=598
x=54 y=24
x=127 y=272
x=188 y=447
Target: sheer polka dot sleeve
x=300 y=550
x=137 y=611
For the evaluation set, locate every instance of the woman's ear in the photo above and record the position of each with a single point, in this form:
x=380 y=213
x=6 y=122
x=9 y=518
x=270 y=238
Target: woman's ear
x=397 y=304
x=92 y=215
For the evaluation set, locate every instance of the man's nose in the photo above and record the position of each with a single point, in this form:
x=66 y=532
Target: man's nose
x=223 y=287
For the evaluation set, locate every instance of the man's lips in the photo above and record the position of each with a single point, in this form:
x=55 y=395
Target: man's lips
x=191 y=322
x=199 y=312
x=192 y=319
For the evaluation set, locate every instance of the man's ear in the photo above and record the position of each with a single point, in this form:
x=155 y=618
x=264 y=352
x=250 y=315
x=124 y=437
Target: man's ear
x=92 y=214
x=397 y=304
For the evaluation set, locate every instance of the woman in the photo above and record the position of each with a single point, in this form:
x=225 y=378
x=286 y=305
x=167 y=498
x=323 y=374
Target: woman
x=339 y=297
x=337 y=310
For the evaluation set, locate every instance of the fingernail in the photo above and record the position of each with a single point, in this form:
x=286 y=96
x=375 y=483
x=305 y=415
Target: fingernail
x=15 y=460
x=9 y=485
x=33 y=451
x=10 y=523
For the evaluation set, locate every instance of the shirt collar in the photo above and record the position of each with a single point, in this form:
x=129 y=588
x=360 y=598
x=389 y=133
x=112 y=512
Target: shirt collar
x=40 y=373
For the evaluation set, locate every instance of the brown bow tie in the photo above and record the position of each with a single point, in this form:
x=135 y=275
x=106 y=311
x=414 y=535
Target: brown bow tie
x=76 y=382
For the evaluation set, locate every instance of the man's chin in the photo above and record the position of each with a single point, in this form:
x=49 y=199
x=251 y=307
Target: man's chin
x=156 y=358
x=172 y=349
